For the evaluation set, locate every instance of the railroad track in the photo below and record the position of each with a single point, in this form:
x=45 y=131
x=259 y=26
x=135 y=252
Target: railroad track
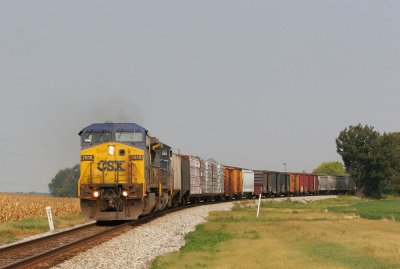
x=48 y=251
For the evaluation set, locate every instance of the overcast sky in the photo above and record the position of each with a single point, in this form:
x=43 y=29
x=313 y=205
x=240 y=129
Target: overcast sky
x=249 y=83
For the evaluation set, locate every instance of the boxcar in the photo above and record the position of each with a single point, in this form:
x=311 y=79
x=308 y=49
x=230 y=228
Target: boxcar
x=260 y=180
x=233 y=182
x=327 y=184
x=292 y=183
x=316 y=183
x=341 y=184
x=180 y=168
x=208 y=169
x=272 y=182
x=218 y=180
x=310 y=183
x=297 y=183
x=260 y=183
x=351 y=185
x=346 y=184
x=195 y=176
x=303 y=181
x=283 y=181
x=248 y=183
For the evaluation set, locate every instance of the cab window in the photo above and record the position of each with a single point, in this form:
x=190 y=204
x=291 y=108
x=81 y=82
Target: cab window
x=128 y=136
x=91 y=138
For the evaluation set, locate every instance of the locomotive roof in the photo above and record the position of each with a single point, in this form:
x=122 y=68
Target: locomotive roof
x=112 y=127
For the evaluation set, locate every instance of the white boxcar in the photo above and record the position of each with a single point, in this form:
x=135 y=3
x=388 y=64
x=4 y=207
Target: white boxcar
x=195 y=175
x=248 y=182
x=210 y=174
x=218 y=183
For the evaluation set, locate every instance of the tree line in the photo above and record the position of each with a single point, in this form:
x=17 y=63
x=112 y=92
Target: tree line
x=65 y=182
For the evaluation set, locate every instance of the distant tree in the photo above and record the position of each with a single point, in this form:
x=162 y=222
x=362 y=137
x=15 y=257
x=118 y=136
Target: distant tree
x=370 y=158
x=356 y=145
x=391 y=143
x=65 y=182
x=334 y=168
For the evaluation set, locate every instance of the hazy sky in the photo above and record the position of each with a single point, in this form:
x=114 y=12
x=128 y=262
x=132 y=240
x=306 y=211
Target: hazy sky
x=248 y=83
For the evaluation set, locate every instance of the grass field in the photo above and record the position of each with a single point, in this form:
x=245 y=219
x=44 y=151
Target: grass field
x=25 y=215
x=335 y=233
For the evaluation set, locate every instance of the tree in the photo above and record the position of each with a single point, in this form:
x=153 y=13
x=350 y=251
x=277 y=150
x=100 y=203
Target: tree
x=356 y=145
x=333 y=168
x=391 y=141
x=65 y=182
x=372 y=160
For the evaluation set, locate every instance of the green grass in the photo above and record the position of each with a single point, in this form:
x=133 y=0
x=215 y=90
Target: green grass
x=12 y=231
x=338 y=254
x=203 y=239
x=230 y=219
x=364 y=208
x=313 y=205
x=288 y=234
x=372 y=209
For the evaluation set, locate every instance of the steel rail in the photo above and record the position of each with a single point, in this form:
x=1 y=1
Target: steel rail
x=6 y=249
x=36 y=260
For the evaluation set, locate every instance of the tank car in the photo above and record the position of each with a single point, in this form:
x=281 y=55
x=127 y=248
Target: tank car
x=124 y=172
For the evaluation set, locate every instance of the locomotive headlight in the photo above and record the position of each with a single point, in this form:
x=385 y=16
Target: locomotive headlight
x=125 y=193
x=111 y=150
x=96 y=194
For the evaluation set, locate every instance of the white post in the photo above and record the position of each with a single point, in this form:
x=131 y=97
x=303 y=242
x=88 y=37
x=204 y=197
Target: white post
x=259 y=202
x=50 y=218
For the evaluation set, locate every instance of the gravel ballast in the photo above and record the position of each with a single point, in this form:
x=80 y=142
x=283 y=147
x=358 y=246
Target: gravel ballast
x=137 y=248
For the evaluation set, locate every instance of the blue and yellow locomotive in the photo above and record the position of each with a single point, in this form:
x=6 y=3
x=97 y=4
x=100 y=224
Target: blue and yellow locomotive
x=125 y=172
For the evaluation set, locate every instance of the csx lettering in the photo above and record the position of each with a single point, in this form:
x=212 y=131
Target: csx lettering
x=110 y=166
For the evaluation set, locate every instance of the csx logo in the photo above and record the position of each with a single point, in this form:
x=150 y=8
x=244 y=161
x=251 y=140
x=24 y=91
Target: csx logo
x=110 y=166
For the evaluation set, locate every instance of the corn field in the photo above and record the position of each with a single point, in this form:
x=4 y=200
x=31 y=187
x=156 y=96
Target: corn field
x=20 y=206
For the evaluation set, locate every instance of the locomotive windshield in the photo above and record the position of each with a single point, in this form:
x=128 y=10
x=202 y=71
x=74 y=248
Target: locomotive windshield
x=91 y=138
x=128 y=136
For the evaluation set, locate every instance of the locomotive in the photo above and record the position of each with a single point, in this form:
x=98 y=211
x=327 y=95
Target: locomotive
x=126 y=173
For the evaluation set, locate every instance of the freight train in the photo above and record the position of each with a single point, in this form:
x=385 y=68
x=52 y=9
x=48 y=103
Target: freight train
x=125 y=173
